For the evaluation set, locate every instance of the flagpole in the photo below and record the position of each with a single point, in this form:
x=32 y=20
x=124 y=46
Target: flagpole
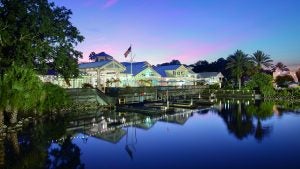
x=131 y=59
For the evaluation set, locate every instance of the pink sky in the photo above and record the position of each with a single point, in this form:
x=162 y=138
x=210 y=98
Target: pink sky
x=162 y=30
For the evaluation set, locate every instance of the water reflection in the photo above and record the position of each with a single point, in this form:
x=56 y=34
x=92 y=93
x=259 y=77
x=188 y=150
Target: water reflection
x=51 y=143
x=65 y=155
x=180 y=119
x=131 y=141
x=240 y=119
x=28 y=149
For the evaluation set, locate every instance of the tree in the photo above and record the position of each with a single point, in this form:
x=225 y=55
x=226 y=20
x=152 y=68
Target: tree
x=284 y=80
x=216 y=66
x=21 y=90
x=92 y=56
x=39 y=35
x=261 y=59
x=280 y=66
x=200 y=66
x=262 y=82
x=238 y=64
x=298 y=74
x=201 y=63
x=173 y=62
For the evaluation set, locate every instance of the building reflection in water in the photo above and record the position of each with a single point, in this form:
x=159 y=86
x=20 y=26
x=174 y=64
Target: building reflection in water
x=180 y=118
x=242 y=119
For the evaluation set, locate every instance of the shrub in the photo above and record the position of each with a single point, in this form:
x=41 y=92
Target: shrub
x=261 y=82
x=55 y=98
x=214 y=86
x=284 y=80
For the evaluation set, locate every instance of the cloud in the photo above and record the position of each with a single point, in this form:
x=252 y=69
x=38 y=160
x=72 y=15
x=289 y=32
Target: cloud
x=109 y=3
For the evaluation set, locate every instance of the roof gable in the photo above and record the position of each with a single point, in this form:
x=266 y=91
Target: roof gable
x=108 y=64
x=146 y=73
x=137 y=67
x=93 y=64
x=162 y=69
x=114 y=65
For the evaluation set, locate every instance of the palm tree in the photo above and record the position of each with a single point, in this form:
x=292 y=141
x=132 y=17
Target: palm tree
x=92 y=56
x=280 y=66
x=22 y=89
x=261 y=59
x=238 y=64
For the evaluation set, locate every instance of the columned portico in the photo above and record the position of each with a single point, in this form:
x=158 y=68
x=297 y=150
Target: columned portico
x=105 y=71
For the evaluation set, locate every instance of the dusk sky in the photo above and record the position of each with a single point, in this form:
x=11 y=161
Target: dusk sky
x=187 y=30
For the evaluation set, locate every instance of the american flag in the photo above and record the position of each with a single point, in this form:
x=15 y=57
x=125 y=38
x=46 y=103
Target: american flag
x=127 y=52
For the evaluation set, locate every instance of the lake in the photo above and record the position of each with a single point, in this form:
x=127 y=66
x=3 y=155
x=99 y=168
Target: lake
x=230 y=134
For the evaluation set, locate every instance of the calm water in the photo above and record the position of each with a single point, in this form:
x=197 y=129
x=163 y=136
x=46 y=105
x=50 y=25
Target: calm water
x=229 y=135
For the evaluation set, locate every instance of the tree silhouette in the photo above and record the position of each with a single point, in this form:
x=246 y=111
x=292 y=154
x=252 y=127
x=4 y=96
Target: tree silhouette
x=238 y=64
x=261 y=131
x=38 y=34
x=67 y=156
x=298 y=74
x=238 y=121
x=261 y=59
x=280 y=66
x=261 y=111
x=173 y=62
x=92 y=56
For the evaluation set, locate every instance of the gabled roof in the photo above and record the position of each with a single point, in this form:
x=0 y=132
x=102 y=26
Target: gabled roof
x=137 y=67
x=209 y=74
x=102 y=54
x=145 y=125
x=190 y=70
x=176 y=119
x=162 y=69
x=93 y=64
x=113 y=136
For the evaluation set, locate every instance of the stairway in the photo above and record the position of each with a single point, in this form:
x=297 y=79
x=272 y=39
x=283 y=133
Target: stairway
x=87 y=96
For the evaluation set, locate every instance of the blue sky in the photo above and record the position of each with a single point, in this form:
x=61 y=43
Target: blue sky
x=187 y=30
